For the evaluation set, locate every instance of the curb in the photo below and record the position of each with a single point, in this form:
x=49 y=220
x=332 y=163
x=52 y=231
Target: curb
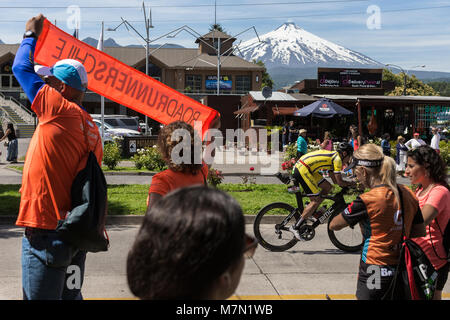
x=112 y=173
x=137 y=220
x=152 y=173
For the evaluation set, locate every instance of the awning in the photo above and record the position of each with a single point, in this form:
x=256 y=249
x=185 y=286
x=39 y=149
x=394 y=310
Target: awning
x=284 y=111
x=247 y=109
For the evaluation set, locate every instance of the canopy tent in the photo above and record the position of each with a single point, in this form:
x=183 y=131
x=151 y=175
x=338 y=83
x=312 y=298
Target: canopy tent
x=322 y=108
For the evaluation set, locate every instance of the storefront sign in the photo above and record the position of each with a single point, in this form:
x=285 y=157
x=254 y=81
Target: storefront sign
x=349 y=78
x=225 y=83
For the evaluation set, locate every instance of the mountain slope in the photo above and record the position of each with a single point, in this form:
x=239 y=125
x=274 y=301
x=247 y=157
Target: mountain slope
x=292 y=46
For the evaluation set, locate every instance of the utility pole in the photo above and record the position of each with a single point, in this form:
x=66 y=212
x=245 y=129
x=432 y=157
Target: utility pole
x=148 y=25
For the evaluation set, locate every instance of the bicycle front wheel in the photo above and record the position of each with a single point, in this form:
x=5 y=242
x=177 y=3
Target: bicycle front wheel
x=346 y=239
x=271 y=226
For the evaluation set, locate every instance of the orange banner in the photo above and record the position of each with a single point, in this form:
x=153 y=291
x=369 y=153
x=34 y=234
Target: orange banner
x=121 y=83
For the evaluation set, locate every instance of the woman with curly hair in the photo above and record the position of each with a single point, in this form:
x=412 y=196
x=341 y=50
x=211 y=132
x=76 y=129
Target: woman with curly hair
x=181 y=149
x=428 y=170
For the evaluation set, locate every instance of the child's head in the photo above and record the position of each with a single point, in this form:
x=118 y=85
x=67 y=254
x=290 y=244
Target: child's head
x=174 y=141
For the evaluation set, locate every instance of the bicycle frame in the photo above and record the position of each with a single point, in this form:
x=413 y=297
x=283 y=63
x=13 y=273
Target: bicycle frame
x=338 y=204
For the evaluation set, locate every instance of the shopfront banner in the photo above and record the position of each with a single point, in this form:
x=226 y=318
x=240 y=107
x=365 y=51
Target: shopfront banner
x=121 y=83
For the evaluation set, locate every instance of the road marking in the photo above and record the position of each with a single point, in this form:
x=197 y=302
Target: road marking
x=295 y=297
x=304 y=297
x=279 y=297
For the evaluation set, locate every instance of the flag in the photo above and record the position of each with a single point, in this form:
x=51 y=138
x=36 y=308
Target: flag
x=102 y=98
x=132 y=88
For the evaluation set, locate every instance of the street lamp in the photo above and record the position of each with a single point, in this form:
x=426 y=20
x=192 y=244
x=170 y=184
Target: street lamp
x=404 y=74
x=148 y=25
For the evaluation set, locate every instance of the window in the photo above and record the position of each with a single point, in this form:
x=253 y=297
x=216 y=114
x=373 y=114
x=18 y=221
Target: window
x=193 y=83
x=112 y=122
x=243 y=84
x=130 y=122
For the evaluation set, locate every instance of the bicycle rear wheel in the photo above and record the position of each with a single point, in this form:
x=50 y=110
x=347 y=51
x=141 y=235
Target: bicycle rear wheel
x=272 y=233
x=346 y=239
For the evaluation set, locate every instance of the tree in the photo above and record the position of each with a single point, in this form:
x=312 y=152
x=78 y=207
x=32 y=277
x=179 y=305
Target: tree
x=216 y=26
x=442 y=87
x=414 y=87
x=266 y=80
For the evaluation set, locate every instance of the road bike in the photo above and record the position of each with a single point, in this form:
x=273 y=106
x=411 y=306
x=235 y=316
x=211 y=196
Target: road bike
x=271 y=226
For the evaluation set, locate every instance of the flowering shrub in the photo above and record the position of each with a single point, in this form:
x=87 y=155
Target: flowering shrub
x=444 y=146
x=150 y=159
x=288 y=165
x=111 y=154
x=215 y=177
x=290 y=152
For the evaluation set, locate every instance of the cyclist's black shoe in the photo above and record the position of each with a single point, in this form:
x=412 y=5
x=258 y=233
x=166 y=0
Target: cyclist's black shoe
x=296 y=233
x=283 y=178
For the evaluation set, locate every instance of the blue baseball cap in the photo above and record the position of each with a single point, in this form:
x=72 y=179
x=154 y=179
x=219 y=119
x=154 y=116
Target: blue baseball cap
x=69 y=71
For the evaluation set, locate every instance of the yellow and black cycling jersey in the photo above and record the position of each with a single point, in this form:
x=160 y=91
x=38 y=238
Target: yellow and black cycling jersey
x=322 y=160
x=307 y=170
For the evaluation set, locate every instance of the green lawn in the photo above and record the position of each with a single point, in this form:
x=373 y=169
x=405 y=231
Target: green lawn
x=104 y=168
x=131 y=199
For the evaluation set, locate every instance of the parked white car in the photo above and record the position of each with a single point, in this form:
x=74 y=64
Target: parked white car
x=118 y=132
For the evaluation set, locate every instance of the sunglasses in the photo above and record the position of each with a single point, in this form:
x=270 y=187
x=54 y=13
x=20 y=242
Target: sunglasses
x=250 y=246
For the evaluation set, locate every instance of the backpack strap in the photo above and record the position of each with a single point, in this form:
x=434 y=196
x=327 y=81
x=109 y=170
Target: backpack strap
x=390 y=291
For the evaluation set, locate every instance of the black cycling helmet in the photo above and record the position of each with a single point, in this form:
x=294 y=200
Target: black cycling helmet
x=345 y=146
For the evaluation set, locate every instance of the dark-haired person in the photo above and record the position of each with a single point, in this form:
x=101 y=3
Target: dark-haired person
x=12 y=151
x=385 y=145
x=427 y=169
x=57 y=152
x=190 y=246
x=377 y=212
x=355 y=138
x=183 y=170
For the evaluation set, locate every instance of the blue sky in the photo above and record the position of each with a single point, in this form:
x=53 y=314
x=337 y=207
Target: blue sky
x=410 y=33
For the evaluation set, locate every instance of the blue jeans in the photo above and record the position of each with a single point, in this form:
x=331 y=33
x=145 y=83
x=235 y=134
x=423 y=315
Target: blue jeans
x=12 y=151
x=51 y=269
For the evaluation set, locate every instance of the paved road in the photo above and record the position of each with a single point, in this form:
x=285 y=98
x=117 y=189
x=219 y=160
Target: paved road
x=308 y=271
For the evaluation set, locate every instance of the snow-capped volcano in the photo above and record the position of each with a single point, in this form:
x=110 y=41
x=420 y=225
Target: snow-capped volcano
x=292 y=46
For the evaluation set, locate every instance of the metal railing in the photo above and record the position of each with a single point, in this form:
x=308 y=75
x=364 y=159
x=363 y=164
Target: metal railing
x=26 y=115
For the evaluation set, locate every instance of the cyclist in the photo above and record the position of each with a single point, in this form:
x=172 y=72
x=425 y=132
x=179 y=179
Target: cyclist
x=307 y=176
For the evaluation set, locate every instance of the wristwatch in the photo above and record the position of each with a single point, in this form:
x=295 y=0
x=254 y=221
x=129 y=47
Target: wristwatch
x=29 y=34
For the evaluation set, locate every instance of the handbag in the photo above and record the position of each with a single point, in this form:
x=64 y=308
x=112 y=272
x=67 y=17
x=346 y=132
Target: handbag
x=415 y=277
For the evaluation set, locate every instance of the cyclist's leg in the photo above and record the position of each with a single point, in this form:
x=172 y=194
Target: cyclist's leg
x=322 y=186
x=308 y=184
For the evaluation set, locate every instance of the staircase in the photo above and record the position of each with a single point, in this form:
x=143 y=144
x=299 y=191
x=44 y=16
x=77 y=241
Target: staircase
x=13 y=111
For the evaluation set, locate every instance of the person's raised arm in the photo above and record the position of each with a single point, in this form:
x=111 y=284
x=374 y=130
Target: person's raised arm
x=23 y=66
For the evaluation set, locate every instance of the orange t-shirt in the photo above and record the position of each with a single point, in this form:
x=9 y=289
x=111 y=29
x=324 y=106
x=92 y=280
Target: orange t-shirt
x=168 y=180
x=57 y=152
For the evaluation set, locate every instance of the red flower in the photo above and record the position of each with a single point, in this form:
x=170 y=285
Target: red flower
x=251 y=168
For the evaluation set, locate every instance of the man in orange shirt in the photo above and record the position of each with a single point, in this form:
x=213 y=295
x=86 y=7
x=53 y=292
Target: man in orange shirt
x=57 y=152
